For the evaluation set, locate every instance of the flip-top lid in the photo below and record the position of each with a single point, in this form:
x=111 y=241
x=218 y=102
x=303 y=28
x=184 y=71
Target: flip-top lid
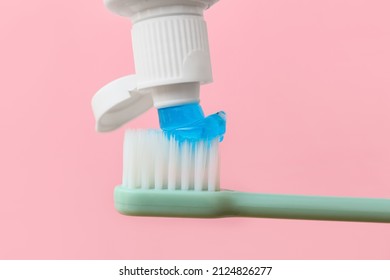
x=119 y=102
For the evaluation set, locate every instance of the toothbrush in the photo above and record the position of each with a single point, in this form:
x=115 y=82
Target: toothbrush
x=163 y=176
x=174 y=172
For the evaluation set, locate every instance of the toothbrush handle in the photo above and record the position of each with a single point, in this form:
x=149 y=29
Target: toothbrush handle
x=308 y=207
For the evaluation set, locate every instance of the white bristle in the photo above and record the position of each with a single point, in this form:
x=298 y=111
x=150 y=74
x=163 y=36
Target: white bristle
x=213 y=166
x=173 y=162
x=154 y=160
x=199 y=169
x=185 y=166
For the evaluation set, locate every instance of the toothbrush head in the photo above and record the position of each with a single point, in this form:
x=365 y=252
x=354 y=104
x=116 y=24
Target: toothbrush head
x=168 y=176
x=176 y=203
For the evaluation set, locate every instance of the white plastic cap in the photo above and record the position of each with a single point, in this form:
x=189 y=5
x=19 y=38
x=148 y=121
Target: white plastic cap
x=170 y=46
x=119 y=102
x=129 y=8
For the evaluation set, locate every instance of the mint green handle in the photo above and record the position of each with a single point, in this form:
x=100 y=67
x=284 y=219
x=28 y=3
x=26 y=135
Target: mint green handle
x=309 y=207
x=205 y=204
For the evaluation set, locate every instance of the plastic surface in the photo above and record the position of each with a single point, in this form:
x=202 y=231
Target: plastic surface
x=118 y=102
x=176 y=94
x=171 y=56
x=171 y=49
x=203 y=204
x=170 y=42
x=129 y=8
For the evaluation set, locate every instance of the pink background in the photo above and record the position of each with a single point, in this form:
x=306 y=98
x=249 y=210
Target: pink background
x=305 y=84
